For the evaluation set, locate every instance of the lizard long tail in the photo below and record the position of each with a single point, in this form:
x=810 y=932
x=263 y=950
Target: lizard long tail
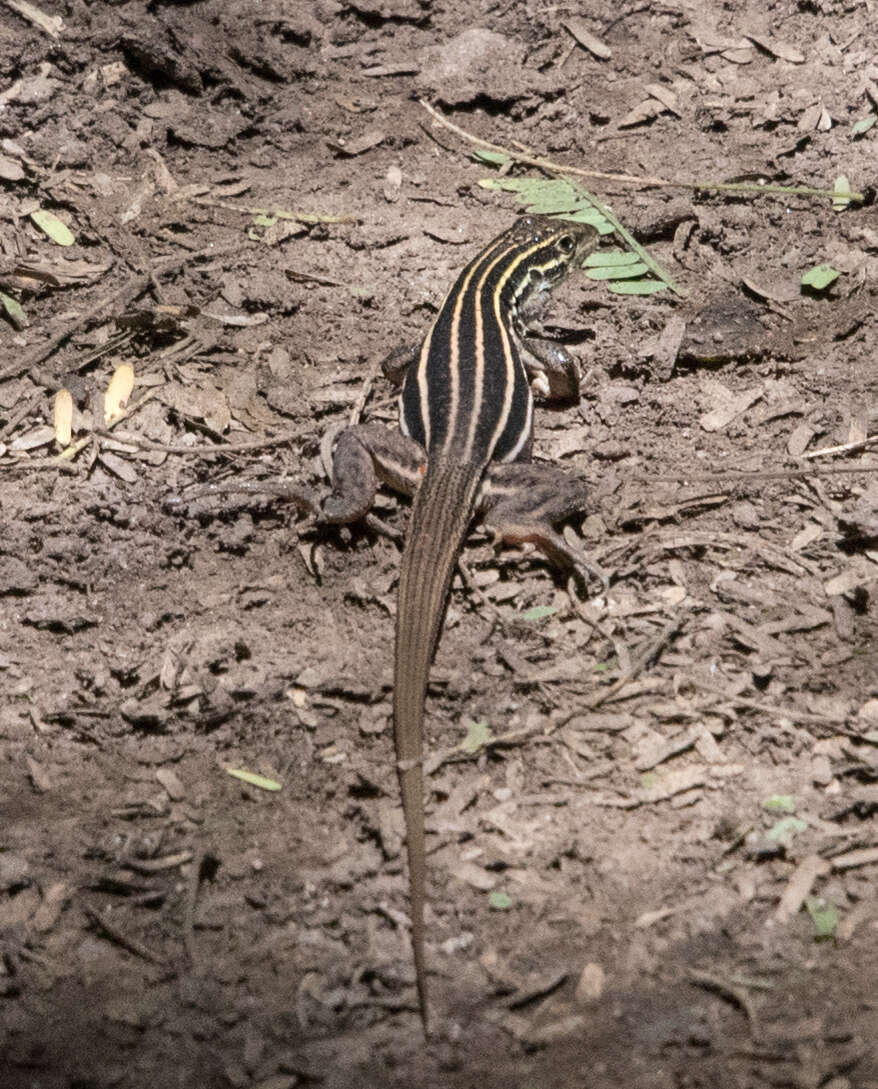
x=442 y=511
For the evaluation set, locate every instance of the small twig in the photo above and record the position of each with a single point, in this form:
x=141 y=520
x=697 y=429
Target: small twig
x=122 y=297
x=192 y=887
x=639 y=663
x=275 y=213
x=736 y=477
x=202 y=449
x=845 y=447
x=458 y=754
x=727 y=990
x=121 y=938
x=23 y=462
x=51 y=24
x=775 y=710
x=633 y=179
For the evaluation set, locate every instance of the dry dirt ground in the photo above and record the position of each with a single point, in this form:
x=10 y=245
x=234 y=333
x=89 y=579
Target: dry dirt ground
x=660 y=867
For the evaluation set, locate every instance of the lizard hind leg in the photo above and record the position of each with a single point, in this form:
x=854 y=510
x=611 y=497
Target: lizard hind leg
x=523 y=502
x=363 y=456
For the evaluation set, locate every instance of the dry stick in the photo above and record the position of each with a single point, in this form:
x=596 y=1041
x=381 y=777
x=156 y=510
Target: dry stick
x=277 y=213
x=526 y=156
x=737 y=477
x=844 y=448
x=201 y=450
x=638 y=665
x=64 y=459
x=123 y=296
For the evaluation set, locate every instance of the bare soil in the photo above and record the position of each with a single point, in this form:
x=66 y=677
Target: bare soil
x=663 y=871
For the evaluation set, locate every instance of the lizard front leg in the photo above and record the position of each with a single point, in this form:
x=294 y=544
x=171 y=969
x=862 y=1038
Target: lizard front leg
x=523 y=502
x=553 y=373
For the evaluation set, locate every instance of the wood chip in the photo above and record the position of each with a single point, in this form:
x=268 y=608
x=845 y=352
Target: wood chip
x=667 y=346
x=644 y=111
x=731 y=405
x=391 y=70
x=665 y=95
x=865 y=856
x=799 y=886
x=392 y=184
x=586 y=39
x=799 y=438
x=119 y=467
x=592 y=981
x=54 y=898
x=38 y=776
x=475 y=876
x=672 y=783
x=777 y=48
x=655 y=754
x=171 y=782
x=360 y=144
x=849 y=580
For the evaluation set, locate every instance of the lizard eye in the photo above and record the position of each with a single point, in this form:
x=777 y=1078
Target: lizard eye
x=566 y=243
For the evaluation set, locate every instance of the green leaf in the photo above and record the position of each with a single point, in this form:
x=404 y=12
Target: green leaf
x=51 y=225
x=824 y=916
x=786 y=829
x=842 y=191
x=551 y=197
x=14 y=311
x=611 y=259
x=636 y=287
x=253 y=779
x=500 y=901
x=648 y=780
x=780 y=803
x=617 y=272
x=820 y=277
x=495 y=158
x=264 y=220
x=478 y=735
x=563 y=196
x=539 y=612
x=861 y=127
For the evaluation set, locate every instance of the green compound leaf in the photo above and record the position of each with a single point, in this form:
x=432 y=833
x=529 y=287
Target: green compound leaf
x=861 y=127
x=611 y=259
x=539 y=612
x=500 y=901
x=780 y=803
x=786 y=829
x=493 y=158
x=636 y=287
x=615 y=272
x=820 y=277
x=824 y=916
x=561 y=196
x=477 y=736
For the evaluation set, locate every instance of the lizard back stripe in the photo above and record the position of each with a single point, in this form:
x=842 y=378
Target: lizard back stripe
x=468 y=395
